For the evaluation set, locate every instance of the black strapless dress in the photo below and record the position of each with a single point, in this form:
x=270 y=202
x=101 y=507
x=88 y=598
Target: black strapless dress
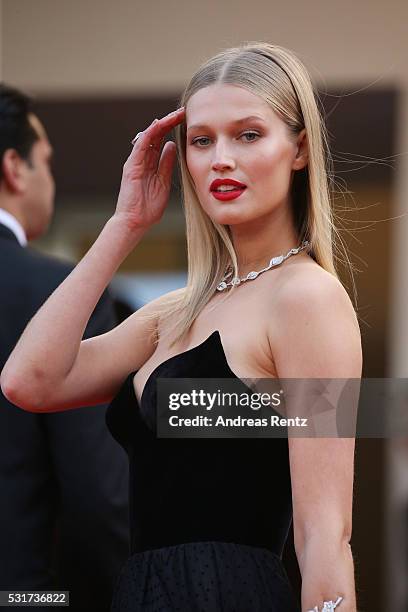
x=209 y=517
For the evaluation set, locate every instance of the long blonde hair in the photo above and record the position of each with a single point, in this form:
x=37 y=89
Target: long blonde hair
x=277 y=76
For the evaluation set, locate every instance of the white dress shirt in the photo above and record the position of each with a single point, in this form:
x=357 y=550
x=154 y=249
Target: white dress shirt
x=15 y=226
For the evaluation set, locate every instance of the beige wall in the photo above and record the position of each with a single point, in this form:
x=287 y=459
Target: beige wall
x=78 y=46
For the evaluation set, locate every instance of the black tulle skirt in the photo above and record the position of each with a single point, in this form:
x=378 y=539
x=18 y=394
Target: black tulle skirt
x=204 y=577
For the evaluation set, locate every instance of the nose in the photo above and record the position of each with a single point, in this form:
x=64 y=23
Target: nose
x=222 y=160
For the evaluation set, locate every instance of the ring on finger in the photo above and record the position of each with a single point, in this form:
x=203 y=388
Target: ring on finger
x=138 y=136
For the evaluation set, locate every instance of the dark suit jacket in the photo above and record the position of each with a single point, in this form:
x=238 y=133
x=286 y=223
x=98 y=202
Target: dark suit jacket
x=63 y=479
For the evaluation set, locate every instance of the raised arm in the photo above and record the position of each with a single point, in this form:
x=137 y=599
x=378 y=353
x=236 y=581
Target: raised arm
x=51 y=367
x=318 y=337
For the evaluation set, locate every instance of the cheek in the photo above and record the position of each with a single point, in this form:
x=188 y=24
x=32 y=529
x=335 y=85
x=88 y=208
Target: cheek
x=45 y=186
x=271 y=164
x=198 y=170
x=50 y=179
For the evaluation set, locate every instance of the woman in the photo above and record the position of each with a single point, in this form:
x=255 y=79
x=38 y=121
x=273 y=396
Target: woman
x=205 y=535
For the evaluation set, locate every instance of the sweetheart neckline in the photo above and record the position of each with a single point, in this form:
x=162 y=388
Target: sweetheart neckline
x=166 y=361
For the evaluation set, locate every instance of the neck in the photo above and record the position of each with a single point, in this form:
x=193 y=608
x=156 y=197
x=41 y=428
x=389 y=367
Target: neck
x=256 y=242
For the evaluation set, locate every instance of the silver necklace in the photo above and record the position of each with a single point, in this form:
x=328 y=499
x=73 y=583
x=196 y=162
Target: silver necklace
x=275 y=261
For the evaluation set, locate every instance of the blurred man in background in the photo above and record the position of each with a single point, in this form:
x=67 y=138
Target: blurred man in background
x=63 y=479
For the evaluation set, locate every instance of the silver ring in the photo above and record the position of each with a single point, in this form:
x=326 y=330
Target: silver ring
x=136 y=137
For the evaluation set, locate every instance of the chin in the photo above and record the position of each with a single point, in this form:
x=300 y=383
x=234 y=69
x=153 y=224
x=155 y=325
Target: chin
x=230 y=216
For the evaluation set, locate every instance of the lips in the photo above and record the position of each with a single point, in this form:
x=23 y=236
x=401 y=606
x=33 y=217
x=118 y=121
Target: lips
x=238 y=189
x=227 y=195
x=227 y=181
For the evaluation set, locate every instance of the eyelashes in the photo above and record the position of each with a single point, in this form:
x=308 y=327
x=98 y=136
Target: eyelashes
x=249 y=133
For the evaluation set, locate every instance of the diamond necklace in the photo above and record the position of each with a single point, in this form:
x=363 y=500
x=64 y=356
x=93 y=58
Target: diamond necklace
x=275 y=261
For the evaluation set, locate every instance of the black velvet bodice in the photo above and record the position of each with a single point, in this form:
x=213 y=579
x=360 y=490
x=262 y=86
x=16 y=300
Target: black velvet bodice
x=202 y=489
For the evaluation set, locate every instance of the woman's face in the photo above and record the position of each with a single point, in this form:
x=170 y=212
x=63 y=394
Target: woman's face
x=234 y=134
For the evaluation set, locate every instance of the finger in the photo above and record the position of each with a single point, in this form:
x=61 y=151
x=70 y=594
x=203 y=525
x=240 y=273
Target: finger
x=142 y=142
x=173 y=118
x=158 y=130
x=166 y=163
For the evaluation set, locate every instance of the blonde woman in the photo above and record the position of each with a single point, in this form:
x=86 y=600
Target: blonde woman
x=210 y=517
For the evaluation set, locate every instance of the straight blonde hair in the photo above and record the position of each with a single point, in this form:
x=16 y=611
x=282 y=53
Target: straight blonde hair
x=277 y=76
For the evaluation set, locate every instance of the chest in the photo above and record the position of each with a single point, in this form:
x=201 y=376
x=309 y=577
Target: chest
x=243 y=328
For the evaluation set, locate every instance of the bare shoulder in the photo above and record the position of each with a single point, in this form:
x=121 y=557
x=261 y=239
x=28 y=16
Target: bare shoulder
x=313 y=326
x=310 y=289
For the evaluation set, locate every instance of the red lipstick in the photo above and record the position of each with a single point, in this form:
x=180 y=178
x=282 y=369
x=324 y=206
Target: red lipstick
x=236 y=188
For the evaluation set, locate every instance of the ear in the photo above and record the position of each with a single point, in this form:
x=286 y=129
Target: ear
x=14 y=171
x=302 y=156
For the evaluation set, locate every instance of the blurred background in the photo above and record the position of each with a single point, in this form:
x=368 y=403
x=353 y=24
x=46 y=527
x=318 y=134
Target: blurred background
x=102 y=71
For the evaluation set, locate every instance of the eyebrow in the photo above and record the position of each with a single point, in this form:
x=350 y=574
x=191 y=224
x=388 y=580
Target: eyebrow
x=236 y=122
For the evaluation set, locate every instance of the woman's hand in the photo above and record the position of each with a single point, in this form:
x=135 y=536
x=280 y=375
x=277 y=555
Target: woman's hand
x=146 y=177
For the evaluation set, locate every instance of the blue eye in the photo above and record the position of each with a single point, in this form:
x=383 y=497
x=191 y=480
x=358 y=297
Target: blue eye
x=195 y=140
x=201 y=138
x=250 y=134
